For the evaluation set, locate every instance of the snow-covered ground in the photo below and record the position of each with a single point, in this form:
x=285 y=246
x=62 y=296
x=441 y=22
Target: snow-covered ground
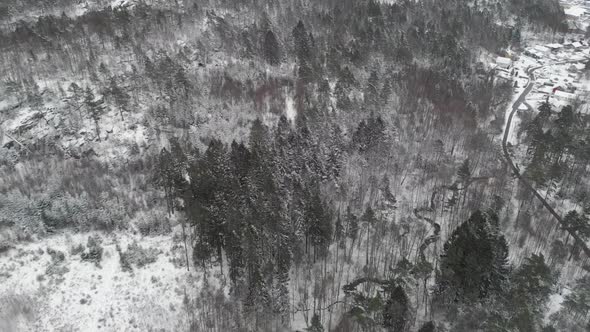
x=560 y=76
x=561 y=69
x=73 y=294
x=41 y=293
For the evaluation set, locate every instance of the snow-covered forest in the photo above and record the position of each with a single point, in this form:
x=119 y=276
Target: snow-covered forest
x=294 y=165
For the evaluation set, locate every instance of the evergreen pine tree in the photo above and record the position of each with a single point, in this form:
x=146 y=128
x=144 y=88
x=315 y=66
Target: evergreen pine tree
x=474 y=263
x=428 y=327
x=302 y=43
x=316 y=324
x=352 y=226
x=397 y=310
x=464 y=171
x=95 y=108
x=578 y=301
x=372 y=91
x=531 y=284
x=272 y=51
x=120 y=97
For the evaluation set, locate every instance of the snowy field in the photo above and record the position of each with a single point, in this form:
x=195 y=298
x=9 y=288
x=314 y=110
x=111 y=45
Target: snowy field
x=50 y=288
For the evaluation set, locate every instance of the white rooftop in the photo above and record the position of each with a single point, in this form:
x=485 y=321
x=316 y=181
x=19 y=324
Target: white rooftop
x=554 y=45
x=546 y=89
x=503 y=61
x=541 y=48
x=504 y=75
x=575 y=11
x=565 y=95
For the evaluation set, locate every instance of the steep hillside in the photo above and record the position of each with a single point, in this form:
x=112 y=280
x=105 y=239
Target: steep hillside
x=287 y=165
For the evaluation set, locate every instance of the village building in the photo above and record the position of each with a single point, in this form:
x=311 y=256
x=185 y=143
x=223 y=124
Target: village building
x=575 y=12
x=542 y=49
x=554 y=47
x=565 y=96
x=546 y=90
x=504 y=75
x=532 y=53
x=503 y=62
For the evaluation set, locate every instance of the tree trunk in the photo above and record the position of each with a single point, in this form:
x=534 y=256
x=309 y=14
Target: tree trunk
x=185 y=248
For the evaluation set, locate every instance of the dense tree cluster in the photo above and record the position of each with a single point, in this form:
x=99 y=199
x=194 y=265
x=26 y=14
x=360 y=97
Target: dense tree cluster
x=479 y=290
x=258 y=205
x=359 y=143
x=474 y=262
x=559 y=144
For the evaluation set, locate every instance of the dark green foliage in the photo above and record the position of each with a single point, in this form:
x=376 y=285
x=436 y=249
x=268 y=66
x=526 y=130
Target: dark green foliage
x=338 y=229
x=154 y=225
x=397 y=310
x=319 y=223
x=300 y=37
x=516 y=35
x=497 y=205
x=94 y=250
x=352 y=227
x=136 y=255
x=578 y=301
x=170 y=173
x=474 y=262
x=371 y=94
x=56 y=267
x=464 y=171
x=544 y=12
x=389 y=200
x=316 y=324
x=256 y=203
x=519 y=306
x=76 y=250
x=260 y=205
x=578 y=223
x=369 y=216
x=428 y=327
x=369 y=134
x=531 y=284
x=558 y=144
x=95 y=108
x=119 y=95
x=272 y=51
x=124 y=261
x=368 y=310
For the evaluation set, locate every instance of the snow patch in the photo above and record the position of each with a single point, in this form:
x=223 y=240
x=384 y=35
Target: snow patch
x=290 y=110
x=80 y=295
x=555 y=303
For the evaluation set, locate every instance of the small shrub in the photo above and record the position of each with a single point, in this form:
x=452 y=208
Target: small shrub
x=124 y=261
x=94 y=250
x=157 y=224
x=138 y=256
x=178 y=254
x=76 y=250
x=5 y=245
x=56 y=255
x=56 y=267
